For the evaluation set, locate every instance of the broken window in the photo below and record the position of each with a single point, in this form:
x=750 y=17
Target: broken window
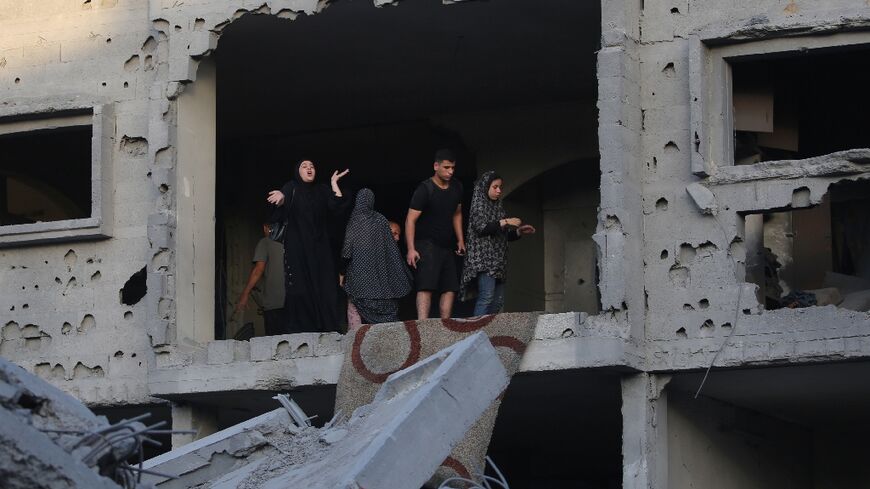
x=814 y=257
x=45 y=174
x=800 y=104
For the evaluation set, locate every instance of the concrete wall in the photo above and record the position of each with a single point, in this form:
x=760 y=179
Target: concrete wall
x=696 y=262
x=717 y=446
x=59 y=308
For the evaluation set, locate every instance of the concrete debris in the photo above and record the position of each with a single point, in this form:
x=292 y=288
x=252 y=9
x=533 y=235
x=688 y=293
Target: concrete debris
x=396 y=442
x=703 y=198
x=49 y=439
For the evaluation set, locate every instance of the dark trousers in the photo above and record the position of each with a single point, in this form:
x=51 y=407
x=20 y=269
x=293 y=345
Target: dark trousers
x=275 y=322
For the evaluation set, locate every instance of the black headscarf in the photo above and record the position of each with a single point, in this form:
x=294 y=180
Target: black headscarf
x=376 y=269
x=485 y=254
x=303 y=202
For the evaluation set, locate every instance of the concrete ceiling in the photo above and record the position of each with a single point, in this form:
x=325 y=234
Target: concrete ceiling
x=810 y=395
x=355 y=64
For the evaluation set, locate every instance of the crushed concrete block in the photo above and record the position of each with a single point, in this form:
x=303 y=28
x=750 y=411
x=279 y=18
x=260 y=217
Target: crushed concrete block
x=703 y=198
x=44 y=436
x=248 y=438
x=437 y=400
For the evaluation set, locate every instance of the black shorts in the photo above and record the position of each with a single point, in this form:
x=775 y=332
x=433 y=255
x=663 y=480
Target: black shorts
x=436 y=269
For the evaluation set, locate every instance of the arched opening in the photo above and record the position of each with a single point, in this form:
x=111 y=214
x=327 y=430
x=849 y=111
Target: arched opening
x=556 y=271
x=506 y=87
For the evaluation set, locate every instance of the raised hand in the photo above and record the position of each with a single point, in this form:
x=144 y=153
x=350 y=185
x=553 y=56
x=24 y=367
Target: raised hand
x=336 y=175
x=275 y=197
x=334 y=181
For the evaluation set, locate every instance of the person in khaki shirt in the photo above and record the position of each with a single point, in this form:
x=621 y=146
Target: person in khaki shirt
x=269 y=265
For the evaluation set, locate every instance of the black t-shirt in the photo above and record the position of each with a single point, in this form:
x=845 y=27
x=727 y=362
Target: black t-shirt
x=437 y=207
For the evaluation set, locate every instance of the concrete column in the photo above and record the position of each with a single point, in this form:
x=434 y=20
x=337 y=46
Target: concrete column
x=644 y=432
x=753 y=236
x=195 y=254
x=191 y=417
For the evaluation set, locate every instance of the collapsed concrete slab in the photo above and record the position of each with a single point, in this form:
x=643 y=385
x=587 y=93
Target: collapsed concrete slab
x=48 y=439
x=397 y=441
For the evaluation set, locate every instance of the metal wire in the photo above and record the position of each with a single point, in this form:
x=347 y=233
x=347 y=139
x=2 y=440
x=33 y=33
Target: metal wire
x=727 y=244
x=484 y=479
x=110 y=447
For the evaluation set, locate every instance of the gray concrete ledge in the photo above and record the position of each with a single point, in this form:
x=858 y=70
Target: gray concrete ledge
x=839 y=164
x=561 y=342
x=806 y=335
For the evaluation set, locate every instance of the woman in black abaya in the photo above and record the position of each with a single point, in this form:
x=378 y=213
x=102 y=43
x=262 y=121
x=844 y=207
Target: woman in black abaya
x=311 y=299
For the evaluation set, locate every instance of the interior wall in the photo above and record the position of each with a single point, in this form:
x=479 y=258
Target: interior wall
x=570 y=254
x=812 y=246
x=566 y=201
x=720 y=446
x=195 y=193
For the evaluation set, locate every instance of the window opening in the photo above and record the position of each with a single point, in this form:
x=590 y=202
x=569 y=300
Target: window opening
x=799 y=104
x=817 y=256
x=45 y=175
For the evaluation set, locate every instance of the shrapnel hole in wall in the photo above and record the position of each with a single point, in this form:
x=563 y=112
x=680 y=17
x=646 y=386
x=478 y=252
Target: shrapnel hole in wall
x=134 y=288
x=45 y=175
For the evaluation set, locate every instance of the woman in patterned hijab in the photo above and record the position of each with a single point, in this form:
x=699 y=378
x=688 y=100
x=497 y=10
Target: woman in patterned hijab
x=486 y=240
x=376 y=274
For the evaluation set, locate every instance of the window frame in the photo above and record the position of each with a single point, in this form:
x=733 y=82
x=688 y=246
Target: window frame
x=711 y=119
x=99 y=224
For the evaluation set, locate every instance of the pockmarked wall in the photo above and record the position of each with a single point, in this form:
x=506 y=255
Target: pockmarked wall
x=695 y=247
x=60 y=308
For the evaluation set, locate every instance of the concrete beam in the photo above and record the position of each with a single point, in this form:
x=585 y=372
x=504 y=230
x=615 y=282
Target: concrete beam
x=562 y=341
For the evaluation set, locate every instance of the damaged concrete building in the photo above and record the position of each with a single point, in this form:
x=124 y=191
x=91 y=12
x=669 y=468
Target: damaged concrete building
x=698 y=170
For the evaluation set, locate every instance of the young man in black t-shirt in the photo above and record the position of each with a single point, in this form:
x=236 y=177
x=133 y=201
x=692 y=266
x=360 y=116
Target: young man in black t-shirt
x=433 y=232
